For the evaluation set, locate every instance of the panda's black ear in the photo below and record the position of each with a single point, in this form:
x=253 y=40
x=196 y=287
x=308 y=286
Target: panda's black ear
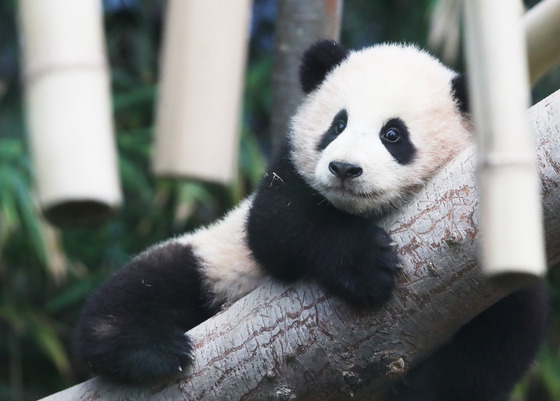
x=317 y=61
x=460 y=92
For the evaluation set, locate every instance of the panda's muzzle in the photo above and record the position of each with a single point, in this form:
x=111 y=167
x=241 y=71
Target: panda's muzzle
x=345 y=170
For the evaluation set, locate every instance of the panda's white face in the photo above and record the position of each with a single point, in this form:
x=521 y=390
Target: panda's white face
x=380 y=124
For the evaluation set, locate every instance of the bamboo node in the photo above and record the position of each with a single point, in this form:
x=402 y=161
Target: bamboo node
x=35 y=73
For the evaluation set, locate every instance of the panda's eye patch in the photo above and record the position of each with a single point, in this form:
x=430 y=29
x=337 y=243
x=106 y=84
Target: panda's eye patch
x=391 y=135
x=338 y=125
x=396 y=138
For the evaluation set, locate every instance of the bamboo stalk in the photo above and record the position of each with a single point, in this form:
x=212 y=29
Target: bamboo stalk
x=542 y=29
x=203 y=62
x=68 y=109
x=542 y=26
x=512 y=243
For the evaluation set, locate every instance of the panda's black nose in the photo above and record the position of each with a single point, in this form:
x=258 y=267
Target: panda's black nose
x=345 y=170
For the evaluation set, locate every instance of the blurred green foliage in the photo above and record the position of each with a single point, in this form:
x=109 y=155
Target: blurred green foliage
x=46 y=273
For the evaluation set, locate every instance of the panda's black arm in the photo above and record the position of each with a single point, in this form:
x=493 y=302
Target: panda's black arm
x=294 y=232
x=133 y=327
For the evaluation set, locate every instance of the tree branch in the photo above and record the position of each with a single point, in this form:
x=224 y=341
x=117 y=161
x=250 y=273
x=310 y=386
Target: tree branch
x=295 y=342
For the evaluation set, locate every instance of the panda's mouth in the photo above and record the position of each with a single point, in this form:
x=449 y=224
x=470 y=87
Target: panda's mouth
x=342 y=191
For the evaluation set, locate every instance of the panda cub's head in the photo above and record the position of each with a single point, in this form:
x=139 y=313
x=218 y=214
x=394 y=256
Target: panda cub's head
x=375 y=124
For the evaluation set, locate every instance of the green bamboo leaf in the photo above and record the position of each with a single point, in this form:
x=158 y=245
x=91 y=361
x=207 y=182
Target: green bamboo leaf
x=137 y=142
x=11 y=150
x=134 y=97
x=8 y=209
x=46 y=338
x=191 y=191
x=187 y=195
x=252 y=161
x=549 y=371
x=29 y=216
x=11 y=314
x=134 y=178
x=75 y=293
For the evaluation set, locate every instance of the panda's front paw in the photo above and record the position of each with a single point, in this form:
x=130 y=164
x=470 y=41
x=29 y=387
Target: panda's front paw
x=370 y=280
x=374 y=280
x=134 y=354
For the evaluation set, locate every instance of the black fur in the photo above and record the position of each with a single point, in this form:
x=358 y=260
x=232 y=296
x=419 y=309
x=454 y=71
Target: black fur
x=294 y=232
x=487 y=356
x=460 y=92
x=318 y=61
x=132 y=328
x=332 y=133
x=402 y=150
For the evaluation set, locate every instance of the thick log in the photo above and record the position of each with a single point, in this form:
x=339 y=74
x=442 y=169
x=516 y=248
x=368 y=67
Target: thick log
x=295 y=342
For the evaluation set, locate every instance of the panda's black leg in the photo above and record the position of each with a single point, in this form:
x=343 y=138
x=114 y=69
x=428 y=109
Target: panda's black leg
x=364 y=277
x=133 y=327
x=487 y=356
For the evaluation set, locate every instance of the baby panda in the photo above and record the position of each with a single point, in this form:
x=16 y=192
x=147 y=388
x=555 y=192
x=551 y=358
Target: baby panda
x=374 y=126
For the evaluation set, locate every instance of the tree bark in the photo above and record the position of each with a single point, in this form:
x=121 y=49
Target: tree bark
x=295 y=342
x=299 y=25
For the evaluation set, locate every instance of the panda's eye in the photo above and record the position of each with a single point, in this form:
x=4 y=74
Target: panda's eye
x=339 y=126
x=391 y=135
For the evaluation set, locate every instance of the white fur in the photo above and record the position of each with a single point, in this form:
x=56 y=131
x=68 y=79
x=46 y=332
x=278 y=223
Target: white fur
x=229 y=269
x=375 y=85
